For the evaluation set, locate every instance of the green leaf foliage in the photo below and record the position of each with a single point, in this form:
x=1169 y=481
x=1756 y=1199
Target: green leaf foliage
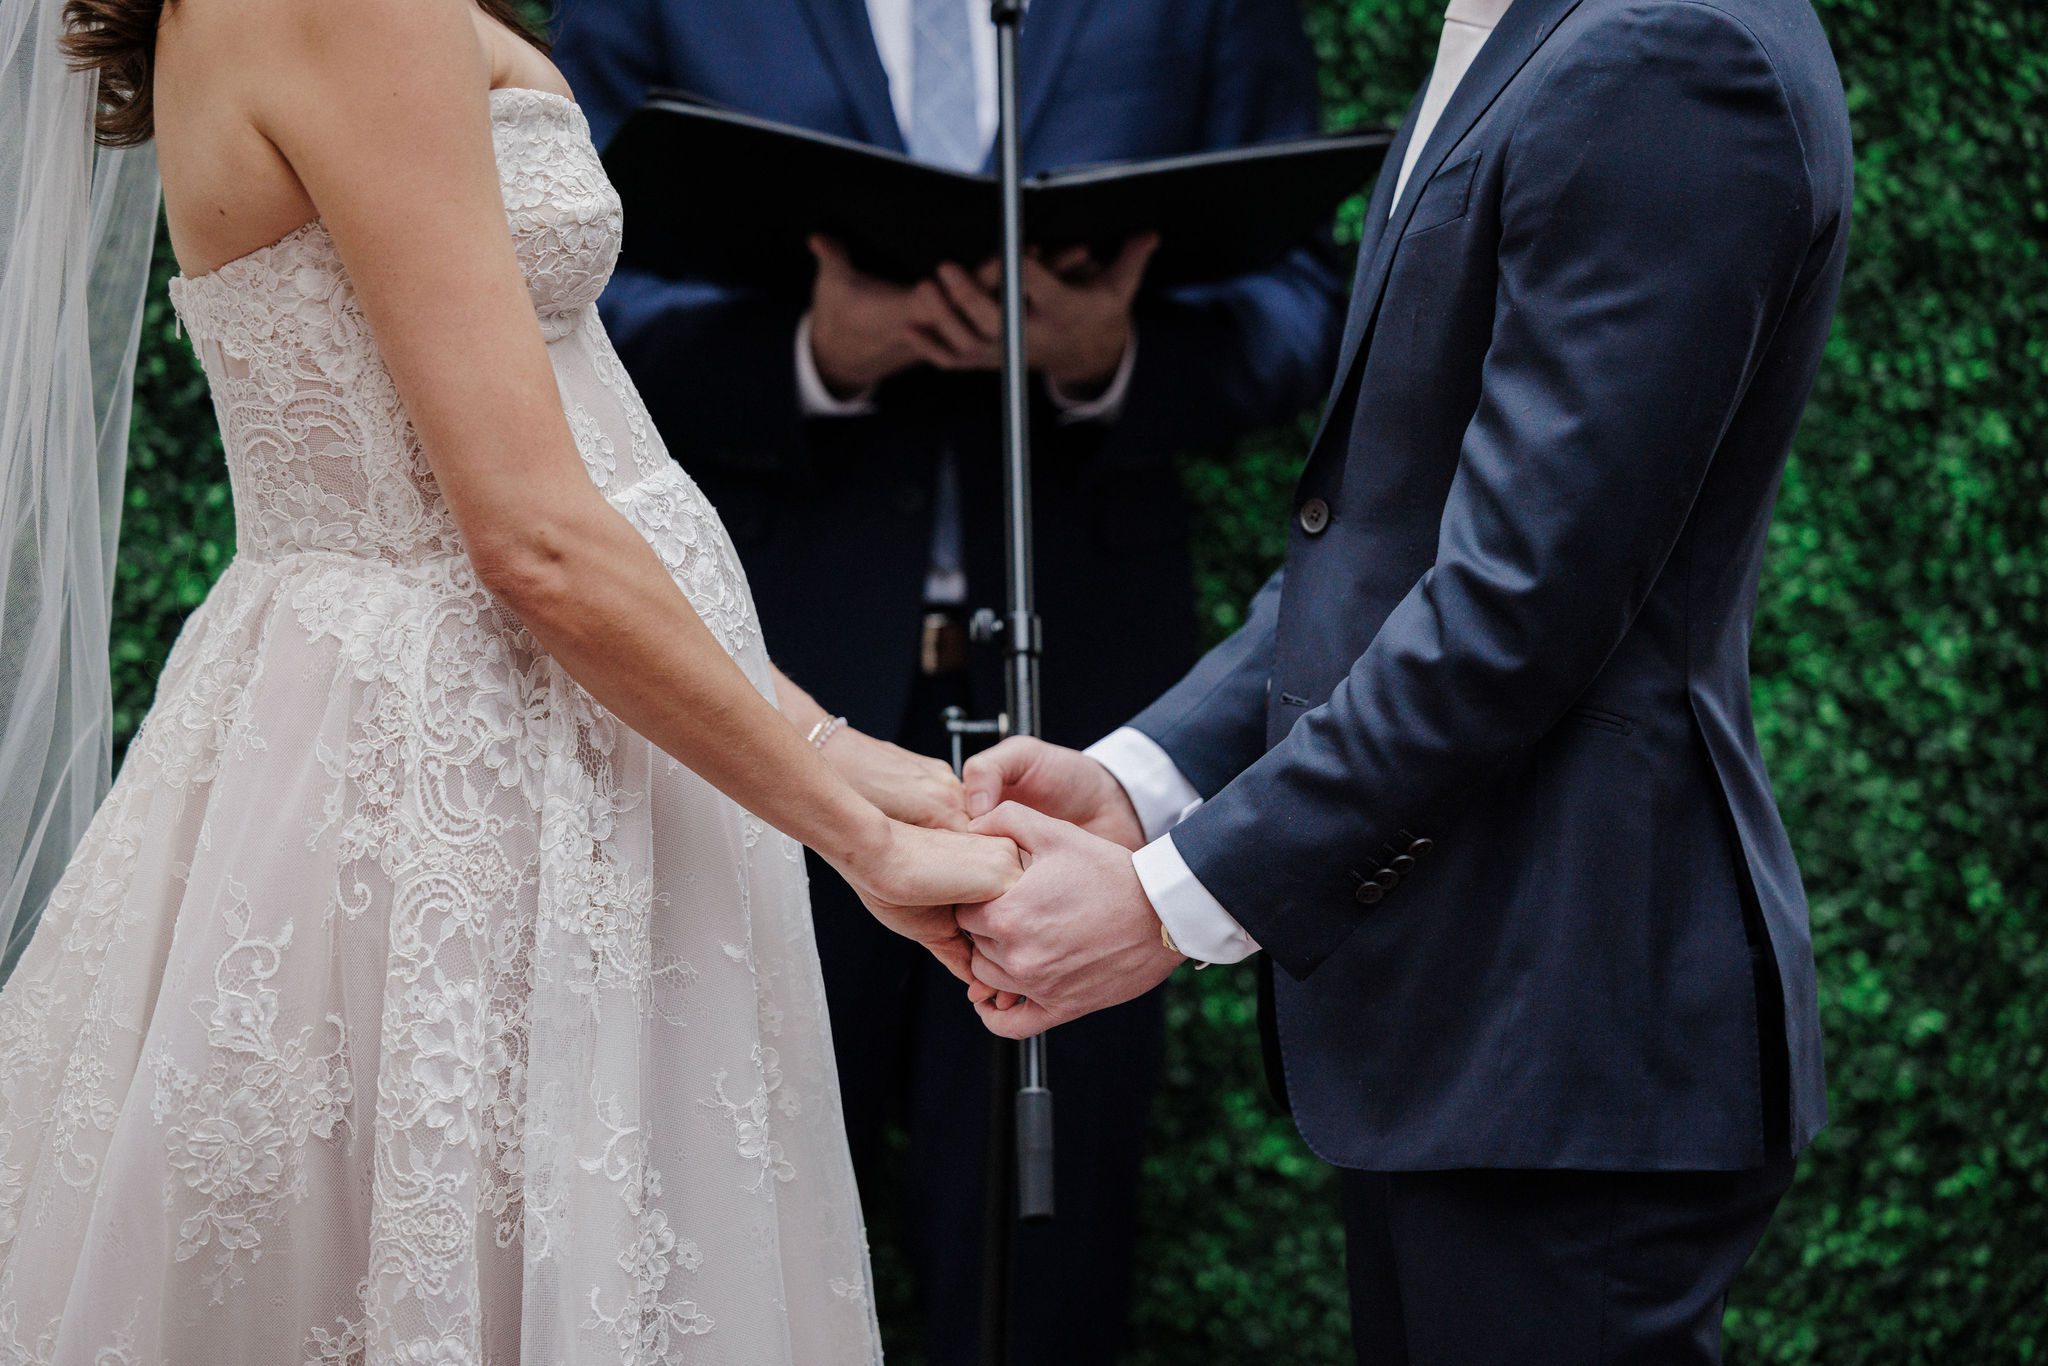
x=1899 y=687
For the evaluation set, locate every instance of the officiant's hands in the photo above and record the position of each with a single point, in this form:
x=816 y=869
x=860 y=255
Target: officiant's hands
x=863 y=330
x=1077 y=321
x=1076 y=934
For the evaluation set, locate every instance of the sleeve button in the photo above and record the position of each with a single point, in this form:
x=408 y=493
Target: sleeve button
x=1369 y=893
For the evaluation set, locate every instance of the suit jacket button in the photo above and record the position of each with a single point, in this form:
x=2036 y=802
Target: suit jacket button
x=1401 y=864
x=1315 y=515
x=1420 y=848
x=1387 y=878
x=1369 y=892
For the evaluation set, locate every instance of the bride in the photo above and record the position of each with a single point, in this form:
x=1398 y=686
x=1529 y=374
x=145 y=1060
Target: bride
x=436 y=983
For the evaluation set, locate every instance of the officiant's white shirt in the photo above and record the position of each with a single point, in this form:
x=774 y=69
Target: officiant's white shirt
x=1159 y=792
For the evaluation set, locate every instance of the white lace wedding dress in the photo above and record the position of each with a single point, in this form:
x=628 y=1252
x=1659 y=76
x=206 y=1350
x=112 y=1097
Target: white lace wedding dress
x=401 y=1005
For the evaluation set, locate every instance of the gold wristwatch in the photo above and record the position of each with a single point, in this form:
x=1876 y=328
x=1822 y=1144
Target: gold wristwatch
x=1166 y=938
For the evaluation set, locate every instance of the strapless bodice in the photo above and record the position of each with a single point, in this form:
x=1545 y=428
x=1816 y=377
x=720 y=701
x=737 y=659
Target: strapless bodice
x=321 y=455
x=322 y=458
x=563 y=212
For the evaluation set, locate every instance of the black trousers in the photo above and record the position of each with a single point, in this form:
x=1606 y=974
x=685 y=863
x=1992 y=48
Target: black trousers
x=1473 y=1268
x=910 y=1050
x=1571 y=1268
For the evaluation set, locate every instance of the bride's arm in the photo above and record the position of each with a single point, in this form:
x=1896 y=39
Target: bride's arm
x=381 y=108
x=910 y=787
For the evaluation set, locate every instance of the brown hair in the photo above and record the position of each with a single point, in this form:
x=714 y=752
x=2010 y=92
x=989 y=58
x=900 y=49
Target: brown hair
x=117 y=38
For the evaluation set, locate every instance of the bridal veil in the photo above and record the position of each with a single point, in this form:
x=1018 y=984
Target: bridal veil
x=77 y=225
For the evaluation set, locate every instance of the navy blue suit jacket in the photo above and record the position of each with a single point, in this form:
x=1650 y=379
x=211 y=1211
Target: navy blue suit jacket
x=1481 y=769
x=833 y=516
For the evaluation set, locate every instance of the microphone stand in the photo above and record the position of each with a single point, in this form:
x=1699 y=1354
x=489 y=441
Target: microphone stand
x=1020 y=1168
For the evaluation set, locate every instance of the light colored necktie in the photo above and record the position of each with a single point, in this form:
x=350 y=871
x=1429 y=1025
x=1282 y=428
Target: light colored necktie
x=943 y=99
x=1467 y=23
x=945 y=131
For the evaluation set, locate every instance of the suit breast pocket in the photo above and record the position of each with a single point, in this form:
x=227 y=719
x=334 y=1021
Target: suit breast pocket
x=1445 y=198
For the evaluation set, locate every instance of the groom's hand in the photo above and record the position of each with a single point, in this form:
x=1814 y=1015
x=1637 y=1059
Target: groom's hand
x=1076 y=933
x=1061 y=782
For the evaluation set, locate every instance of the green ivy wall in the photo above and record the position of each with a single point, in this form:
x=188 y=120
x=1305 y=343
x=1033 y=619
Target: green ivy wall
x=1900 y=690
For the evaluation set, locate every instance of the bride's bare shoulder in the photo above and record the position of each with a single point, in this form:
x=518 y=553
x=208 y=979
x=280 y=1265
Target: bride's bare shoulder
x=274 y=53
x=245 y=88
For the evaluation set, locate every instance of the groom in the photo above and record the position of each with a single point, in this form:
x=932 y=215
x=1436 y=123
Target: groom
x=1479 y=774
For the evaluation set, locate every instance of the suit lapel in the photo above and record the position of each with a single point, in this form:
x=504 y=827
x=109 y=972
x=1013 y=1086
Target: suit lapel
x=1508 y=49
x=847 y=40
x=1373 y=231
x=1049 y=29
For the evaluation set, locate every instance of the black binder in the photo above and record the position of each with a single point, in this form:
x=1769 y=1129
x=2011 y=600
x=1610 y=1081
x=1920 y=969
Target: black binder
x=712 y=193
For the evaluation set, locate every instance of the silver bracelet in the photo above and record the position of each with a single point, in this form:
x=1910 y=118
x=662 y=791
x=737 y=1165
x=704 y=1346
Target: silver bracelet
x=824 y=731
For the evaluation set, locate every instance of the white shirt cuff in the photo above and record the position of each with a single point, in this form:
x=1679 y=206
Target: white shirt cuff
x=1105 y=406
x=1162 y=796
x=1200 y=927
x=1159 y=793
x=814 y=398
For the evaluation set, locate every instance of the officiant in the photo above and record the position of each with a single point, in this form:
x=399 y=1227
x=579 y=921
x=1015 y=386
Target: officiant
x=851 y=442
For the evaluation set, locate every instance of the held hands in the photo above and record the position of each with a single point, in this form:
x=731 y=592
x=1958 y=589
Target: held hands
x=1077 y=320
x=909 y=787
x=1074 y=935
x=1063 y=783
x=1077 y=933
x=915 y=876
x=912 y=878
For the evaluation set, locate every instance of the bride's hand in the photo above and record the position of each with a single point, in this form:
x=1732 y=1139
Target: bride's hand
x=906 y=786
x=915 y=877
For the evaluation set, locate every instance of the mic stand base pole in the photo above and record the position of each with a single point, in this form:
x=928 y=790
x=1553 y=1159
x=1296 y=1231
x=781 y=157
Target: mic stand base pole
x=1020 y=1146
x=1021 y=634
x=997 y=1206
x=998 y=1185
x=1020 y=629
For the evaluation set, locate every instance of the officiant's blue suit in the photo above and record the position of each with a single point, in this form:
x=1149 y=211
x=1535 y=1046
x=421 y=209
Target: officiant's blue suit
x=833 y=519
x=1481 y=772
x=808 y=501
